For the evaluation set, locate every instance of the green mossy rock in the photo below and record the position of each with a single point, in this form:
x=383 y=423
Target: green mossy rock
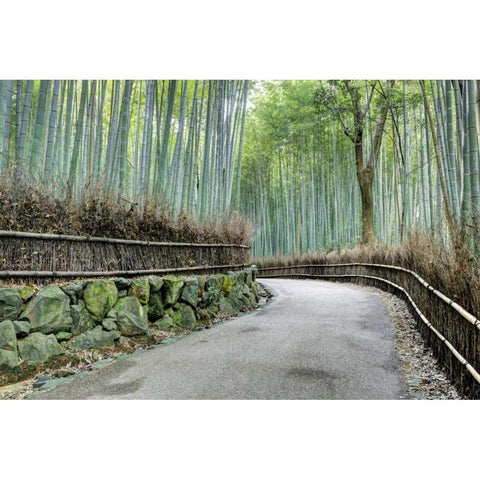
x=224 y=305
x=8 y=359
x=63 y=336
x=237 y=302
x=74 y=290
x=81 y=319
x=155 y=282
x=130 y=317
x=141 y=290
x=250 y=276
x=204 y=315
x=213 y=288
x=155 y=307
x=122 y=283
x=26 y=293
x=22 y=329
x=245 y=294
x=184 y=316
x=48 y=312
x=176 y=316
x=100 y=297
x=255 y=291
x=38 y=348
x=171 y=289
x=10 y=304
x=165 y=323
x=188 y=319
x=190 y=292
x=109 y=324
x=201 y=286
x=8 y=346
x=227 y=284
x=96 y=338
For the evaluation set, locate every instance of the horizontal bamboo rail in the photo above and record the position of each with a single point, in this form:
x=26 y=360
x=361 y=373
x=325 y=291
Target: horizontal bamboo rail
x=468 y=316
x=119 y=241
x=52 y=253
x=449 y=324
x=118 y=273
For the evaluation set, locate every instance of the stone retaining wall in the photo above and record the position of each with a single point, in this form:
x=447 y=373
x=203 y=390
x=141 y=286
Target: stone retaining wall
x=36 y=326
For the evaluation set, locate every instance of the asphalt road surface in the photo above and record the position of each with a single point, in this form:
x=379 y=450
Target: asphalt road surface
x=314 y=340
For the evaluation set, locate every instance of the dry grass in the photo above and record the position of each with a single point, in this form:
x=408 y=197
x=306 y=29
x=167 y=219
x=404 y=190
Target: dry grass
x=455 y=272
x=24 y=207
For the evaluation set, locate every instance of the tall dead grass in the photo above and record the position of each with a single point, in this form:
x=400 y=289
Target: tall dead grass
x=453 y=271
x=26 y=208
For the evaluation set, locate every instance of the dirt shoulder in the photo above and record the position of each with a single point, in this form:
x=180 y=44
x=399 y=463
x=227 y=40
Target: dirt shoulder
x=423 y=375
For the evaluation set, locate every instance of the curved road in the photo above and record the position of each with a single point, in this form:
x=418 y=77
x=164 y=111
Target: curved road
x=314 y=340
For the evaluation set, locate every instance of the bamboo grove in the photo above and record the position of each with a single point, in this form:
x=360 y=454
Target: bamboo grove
x=174 y=141
x=302 y=169
x=314 y=165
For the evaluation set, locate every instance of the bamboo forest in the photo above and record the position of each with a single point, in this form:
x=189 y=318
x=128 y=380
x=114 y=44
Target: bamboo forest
x=312 y=165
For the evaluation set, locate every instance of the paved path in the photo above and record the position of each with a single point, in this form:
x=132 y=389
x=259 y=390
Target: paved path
x=314 y=340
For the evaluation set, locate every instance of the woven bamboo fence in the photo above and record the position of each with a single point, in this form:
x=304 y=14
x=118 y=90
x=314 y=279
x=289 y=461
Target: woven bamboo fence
x=38 y=255
x=451 y=331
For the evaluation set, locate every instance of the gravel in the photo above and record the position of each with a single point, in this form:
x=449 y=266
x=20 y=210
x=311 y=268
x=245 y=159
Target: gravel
x=423 y=375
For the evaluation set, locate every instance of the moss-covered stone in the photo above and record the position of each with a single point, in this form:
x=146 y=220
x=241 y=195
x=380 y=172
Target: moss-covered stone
x=190 y=292
x=122 y=283
x=224 y=305
x=171 y=289
x=184 y=315
x=130 y=317
x=201 y=286
x=26 y=292
x=155 y=282
x=109 y=324
x=188 y=319
x=165 y=323
x=141 y=290
x=254 y=288
x=10 y=304
x=22 y=328
x=38 y=347
x=213 y=288
x=227 y=284
x=48 y=312
x=74 y=290
x=8 y=346
x=100 y=296
x=96 y=338
x=156 y=308
x=81 y=319
x=204 y=315
x=176 y=316
x=250 y=276
x=63 y=336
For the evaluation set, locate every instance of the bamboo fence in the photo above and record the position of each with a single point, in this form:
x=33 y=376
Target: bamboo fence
x=451 y=331
x=44 y=255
